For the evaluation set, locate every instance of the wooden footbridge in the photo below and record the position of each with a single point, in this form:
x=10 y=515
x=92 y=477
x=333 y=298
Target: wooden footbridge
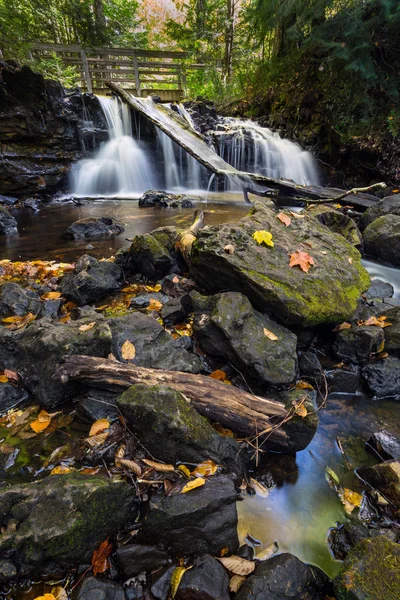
x=141 y=72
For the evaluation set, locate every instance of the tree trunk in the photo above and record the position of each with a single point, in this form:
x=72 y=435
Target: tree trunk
x=99 y=18
x=229 y=36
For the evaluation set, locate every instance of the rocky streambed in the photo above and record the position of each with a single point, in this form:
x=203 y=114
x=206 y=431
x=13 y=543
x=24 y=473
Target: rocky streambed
x=150 y=398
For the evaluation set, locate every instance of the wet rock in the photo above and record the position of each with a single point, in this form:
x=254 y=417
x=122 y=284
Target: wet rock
x=310 y=367
x=171 y=429
x=16 y=300
x=246 y=551
x=328 y=293
x=154 y=346
x=389 y=205
x=203 y=521
x=379 y=289
x=147 y=256
x=382 y=239
x=164 y=199
x=343 y=538
x=370 y=571
x=382 y=378
x=11 y=396
x=144 y=300
x=299 y=430
x=50 y=308
x=91 y=280
x=84 y=312
x=392 y=333
x=384 y=477
x=36 y=351
x=97 y=404
x=8 y=200
x=8 y=570
x=203 y=114
x=385 y=444
x=92 y=227
x=344 y=381
x=339 y=223
x=284 y=577
x=176 y=286
x=227 y=326
x=358 y=343
x=176 y=310
x=8 y=225
x=93 y=588
x=207 y=580
x=161 y=583
x=136 y=558
x=63 y=518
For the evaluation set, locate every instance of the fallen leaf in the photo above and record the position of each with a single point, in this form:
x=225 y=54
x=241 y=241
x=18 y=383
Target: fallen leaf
x=131 y=465
x=377 y=322
x=175 y=279
x=237 y=565
x=60 y=470
x=332 y=478
x=296 y=215
x=263 y=237
x=299 y=408
x=342 y=326
x=100 y=557
x=97 y=440
x=259 y=489
x=223 y=430
x=350 y=500
x=286 y=220
x=154 y=304
x=11 y=375
x=218 y=375
x=42 y=422
x=59 y=592
x=51 y=296
x=183 y=469
x=302 y=260
x=161 y=467
x=350 y=260
x=120 y=453
x=87 y=327
x=303 y=385
x=236 y=582
x=380 y=355
x=191 y=485
x=224 y=551
x=98 y=427
x=128 y=350
x=205 y=469
x=3 y=378
x=176 y=579
x=46 y=597
x=270 y=335
x=268 y=552
x=229 y=249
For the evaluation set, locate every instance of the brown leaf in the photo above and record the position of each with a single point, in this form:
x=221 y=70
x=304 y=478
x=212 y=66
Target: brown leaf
x=299 y=408
x=296 y=215
x=60 y=470
x=342 y=326
x=223 y=430
x=286 y=220
x=191 y=485
x=120 y=453
x=237 y=565
x=161 y=467
x=205 y=469
x=270 y=335
x=301 y=259
x=154 y=304
x=131 y=465
x=97 y=440
x=218 y=375
x=87 y=327
x=11 y=375
x=51 y=296
x=99 y=426
x=100 y=557
x=236 y=582
x=128 y=350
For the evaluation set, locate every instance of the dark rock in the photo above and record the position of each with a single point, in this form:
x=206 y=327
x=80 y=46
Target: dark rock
x=176 y=286
x=135 y=591
x=343 y=381
x=382 y=239
x=382 y=377
x=164 y=199
x=385 y=444
x=175 y=310
x=7 y=570
x=171 y=429
x=246 y=551
x=203 y=114
x=227 y=326
x=50 y=308
x=358 y=343
x=16 y=300
x=63 y=518
x=161 y=583
x=92 y=227
x=8 y=225
x=343 y=538
x=91 y=280
x=136 y=558
x=392 y=333
x=368 y=573
x=203 y=521
x=8 y=200
x=154 y=346
x=11 y=396
x=384 y=477
x=36 y=351
x=309 y=366
x=97 y=404
x=93 y=588
x=339 y=223
x=84 y=312
x=147 y=256
x=328 y=293
x=207 y=580
x=389 y=205
x=298 y=437
x=379 y=289
x=284 y=577
x=144 y=300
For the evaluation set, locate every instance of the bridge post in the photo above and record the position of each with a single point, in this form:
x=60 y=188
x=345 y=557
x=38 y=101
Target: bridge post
x=137 y=77
x=85 y=65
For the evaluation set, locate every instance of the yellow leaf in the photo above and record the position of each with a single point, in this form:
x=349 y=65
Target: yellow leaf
x=224 y=551
x=61 y=470
x=263 y=237
x=51 y=296
x=3 y=378
x=42 y=422
x=87 y=327
x=268 y=552
x=191 y=485
x=128 y=350
x=303 y=385
x=184 y=470
x=98 y=427
x=161 y=467
x=176 y=579
x=300 y=409
x=270 y=335
x=46 y=597
x=350 y=500
x=218 y=375
x=205 y=469
x=14 y=319
x=154 y=304
x=223 y=430
x=237 y=565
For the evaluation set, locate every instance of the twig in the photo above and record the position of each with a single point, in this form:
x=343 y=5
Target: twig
x=346 y=461
x=354 y=191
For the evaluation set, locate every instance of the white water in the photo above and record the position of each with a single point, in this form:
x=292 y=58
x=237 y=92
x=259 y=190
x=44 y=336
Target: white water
x=181 y=171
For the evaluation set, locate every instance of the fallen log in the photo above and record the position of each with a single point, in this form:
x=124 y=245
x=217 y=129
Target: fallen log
x=244 y=413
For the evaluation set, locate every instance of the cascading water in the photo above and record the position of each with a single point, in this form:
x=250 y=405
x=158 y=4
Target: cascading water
x=121 y=167
x=180 y=169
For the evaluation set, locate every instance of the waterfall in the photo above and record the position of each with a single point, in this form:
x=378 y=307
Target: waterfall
x=121 y=166
x=181 y=171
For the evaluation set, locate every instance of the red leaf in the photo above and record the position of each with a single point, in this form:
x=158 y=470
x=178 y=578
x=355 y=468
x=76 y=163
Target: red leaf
x=100 y=562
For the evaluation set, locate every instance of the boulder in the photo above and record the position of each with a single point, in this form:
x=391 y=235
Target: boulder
x=164 y=199
x=227 y=327
x=172 y=430
x=150 y=254
x=206 y=580
x=36 y=351
x=91 y=280
x=93 y=588
x=284 y=577
x=343 y=538
x=51 y=308
x=358 y=343
x=370 y=572
x=327 y=293
x=382 y=239
x=92 y=227
x=392 y=333
x=8 y=225
x=385 y=444
x=176 y=286
x=202 y=521
x=382 y=378
x=337 y=222
x=155 y=347
x=161 y=583
x=97 y=404
x=11 y=396
x=379 y=289
x=144 y=300
x=136 y=558
x=389 y=205
x=8 y=570
x=16 y=300
x=175 y=310
x=63 y=518
x=384 y=477
x=344 y=381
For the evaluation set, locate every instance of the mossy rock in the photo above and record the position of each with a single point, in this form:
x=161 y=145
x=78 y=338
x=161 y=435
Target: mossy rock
x=327 y=293
x=382 y=239
x=371 y=571
x=389 y=205
x=337 y=222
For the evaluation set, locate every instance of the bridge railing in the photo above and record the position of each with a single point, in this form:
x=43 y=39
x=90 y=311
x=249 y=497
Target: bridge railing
x=141 y=72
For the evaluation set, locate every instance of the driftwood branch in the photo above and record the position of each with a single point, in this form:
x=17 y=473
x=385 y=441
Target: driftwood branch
x=187 y=237
x=236 y=409
x=352 y=192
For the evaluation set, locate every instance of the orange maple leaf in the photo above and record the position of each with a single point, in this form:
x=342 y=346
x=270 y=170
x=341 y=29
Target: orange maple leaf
x=284 y=218
x=301 y=259
x=100 y=556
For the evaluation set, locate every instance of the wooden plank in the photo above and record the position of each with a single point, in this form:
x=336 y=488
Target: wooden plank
x=137 y=75
x=86 y=71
